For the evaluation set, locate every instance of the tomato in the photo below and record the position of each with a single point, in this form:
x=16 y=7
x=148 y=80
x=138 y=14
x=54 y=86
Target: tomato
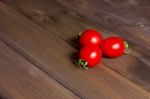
x=89 y=56
x=90 y=37
x=113 y=47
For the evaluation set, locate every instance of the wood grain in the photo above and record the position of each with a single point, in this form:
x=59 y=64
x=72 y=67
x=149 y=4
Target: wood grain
x=125 y=18
x=66 y=24
x=128 y=19
x=54 y=56
x=20 y=79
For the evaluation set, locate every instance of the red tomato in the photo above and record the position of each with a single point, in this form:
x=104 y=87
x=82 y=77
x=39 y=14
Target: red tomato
x=89 y=56
x=90 y=38
x=113 y=47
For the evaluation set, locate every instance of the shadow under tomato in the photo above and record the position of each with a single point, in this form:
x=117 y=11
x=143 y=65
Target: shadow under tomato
x=75 y=55
x=75 y=43
x=74 y=58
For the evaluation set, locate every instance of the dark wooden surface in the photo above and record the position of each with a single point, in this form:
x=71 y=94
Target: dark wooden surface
x=38 y=41
x=20 y=79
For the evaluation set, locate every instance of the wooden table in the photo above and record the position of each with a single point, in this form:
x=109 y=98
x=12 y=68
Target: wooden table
x=38 y=41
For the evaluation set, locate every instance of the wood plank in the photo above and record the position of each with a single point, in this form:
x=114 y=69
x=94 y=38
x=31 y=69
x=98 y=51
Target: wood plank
x=122 y=17
x=20 y=79
x=53 y=55
x=66 y=24
x=128 y=19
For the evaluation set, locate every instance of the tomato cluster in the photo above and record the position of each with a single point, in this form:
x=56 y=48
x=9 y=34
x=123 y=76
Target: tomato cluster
x=93 y=47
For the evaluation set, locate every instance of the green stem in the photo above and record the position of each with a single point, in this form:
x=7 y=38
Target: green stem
x=80 y=33
x=126 y=47
x=83 y=64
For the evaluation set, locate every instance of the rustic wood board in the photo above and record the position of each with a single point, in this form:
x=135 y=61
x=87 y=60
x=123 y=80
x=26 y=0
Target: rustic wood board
x=20 y=79
x=66 y=24
x=54 y=56
x=125 y=18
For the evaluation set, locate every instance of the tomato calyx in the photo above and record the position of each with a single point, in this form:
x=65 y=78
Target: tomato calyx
x=79 y=34
x=83 y=64
x=126 y=45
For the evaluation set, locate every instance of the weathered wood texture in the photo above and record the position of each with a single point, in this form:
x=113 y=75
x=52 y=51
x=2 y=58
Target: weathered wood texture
x=54 y=55
x=20 y=79
x=66 y=23
x=124 y=17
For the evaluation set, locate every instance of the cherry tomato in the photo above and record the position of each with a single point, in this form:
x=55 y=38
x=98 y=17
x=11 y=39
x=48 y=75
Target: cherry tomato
x=90 y=37
x=113 y=47
x=89 y=57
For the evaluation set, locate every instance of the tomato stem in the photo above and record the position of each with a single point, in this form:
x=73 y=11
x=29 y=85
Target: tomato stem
x=83 y=64
x=126 y=47
x=80 y=33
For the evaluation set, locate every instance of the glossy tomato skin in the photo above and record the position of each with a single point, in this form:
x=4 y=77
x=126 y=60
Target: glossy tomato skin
x=92 y=55
x=90 y=37
x=113 y=47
